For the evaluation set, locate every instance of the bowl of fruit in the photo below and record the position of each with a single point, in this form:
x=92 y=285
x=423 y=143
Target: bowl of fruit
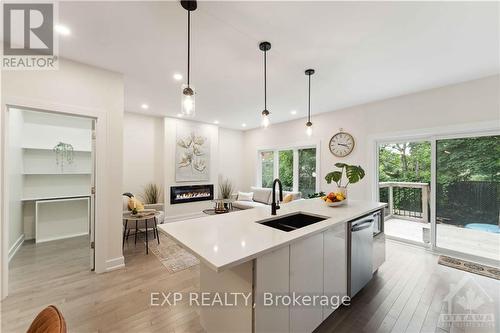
x=334 y=199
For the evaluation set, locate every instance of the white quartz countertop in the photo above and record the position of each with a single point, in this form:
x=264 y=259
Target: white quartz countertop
x=227 y=240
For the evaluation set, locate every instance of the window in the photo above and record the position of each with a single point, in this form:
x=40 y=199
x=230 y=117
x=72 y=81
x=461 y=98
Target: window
x=286 y=169
x=295 y=167
x=307 y=171
x=267 y=158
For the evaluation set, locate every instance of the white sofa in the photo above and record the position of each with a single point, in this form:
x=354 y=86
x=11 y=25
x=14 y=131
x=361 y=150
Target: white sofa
x=261 y=197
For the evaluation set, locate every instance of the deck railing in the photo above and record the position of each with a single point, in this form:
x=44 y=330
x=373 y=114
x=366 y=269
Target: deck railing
x=409 y=201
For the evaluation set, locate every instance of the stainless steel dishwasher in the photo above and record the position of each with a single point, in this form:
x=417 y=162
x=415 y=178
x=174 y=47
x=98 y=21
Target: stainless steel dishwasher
x=361 y=253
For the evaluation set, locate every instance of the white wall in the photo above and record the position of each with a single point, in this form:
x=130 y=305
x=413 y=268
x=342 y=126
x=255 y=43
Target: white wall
x=149 y=155
x=231 y=157
x=460 y=104
x=15 y=181
x=191 y=208
x=91 y=91
x=143 y=150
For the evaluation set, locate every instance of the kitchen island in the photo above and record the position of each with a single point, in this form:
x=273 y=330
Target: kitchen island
x=247 y=252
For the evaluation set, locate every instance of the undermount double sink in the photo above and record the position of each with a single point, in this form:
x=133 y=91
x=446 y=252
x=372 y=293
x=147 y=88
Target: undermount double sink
x=292 y=221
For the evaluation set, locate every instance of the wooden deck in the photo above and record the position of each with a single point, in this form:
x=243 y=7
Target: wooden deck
x=474 y=242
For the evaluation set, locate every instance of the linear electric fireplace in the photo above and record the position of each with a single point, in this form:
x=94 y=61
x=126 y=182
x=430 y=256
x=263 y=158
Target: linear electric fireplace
x=183 y=194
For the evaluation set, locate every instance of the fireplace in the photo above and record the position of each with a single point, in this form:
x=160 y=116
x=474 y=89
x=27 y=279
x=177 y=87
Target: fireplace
x=191 y=193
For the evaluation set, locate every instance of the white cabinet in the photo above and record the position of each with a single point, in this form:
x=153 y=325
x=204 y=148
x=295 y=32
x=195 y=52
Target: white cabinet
x=272 y=275
x=306 y=277
x=334 y=264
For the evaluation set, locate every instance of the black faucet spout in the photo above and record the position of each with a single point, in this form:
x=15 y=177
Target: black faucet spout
x=276 y=205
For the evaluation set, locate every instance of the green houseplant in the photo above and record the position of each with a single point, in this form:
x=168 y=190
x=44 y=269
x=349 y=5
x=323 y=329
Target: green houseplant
x=353 y=174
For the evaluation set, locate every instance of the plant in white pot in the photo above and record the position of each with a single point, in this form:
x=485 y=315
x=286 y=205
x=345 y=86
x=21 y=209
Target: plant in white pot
x=353 y=174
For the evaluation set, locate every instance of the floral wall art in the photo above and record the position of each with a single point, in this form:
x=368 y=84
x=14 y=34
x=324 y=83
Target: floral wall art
x=192 y=156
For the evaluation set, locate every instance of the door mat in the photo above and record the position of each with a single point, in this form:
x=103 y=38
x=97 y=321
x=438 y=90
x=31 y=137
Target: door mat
x=171 y=255
x=470 y=267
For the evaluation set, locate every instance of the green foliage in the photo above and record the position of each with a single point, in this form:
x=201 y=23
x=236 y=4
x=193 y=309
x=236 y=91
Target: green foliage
x=286 y=169
x=354 y=173
x=468 y=159
x=267 y=168
x=307 y=171
x=405 y=162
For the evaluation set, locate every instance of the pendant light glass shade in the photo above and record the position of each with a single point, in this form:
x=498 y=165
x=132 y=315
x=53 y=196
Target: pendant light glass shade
x=188 y=101
x=309 y=129
x=265 y=119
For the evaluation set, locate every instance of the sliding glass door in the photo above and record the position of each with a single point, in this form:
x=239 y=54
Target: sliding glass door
x=404 y=173
x=468 y=195
x=448 y=199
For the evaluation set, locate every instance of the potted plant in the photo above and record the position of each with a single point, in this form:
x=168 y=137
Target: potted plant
x=353 y=174
x=151 y=194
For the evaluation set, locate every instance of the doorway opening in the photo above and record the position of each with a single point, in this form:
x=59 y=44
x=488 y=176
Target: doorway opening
x=50 y=177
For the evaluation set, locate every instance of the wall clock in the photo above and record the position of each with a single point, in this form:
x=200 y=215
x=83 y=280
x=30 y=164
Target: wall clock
x=341 y=144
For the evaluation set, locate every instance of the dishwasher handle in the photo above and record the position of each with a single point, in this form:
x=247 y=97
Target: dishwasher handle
x=362 y=225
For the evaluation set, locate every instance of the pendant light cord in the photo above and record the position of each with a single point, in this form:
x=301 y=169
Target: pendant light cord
x=189 y=43
x=309 y=101
x=265 y=80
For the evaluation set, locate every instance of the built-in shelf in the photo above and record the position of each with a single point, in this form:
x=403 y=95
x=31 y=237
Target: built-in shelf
x=52 y=149
x=54 y=173
x=57 y=197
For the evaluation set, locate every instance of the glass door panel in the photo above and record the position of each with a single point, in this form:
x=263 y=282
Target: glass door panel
x=267 y=160
x=285 y=163
x=468 y=195
x=404 y=178
x=307 y=171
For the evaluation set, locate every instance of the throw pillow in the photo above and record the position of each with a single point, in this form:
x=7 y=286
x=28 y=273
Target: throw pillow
x=245 y=196
x=288 y=198
x=134 y=203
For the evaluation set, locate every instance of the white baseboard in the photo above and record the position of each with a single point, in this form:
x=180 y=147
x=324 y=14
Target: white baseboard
x=115 y=263
x=17 y=245
x=183 y=217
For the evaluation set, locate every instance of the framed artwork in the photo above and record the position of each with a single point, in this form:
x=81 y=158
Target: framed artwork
x=192 y=154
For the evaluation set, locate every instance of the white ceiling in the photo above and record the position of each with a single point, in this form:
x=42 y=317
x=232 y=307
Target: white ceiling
x=362 y=51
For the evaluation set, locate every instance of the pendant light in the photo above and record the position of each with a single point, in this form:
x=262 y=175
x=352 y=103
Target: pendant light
x=309 y=129
x=265 y=46
x=188 y=94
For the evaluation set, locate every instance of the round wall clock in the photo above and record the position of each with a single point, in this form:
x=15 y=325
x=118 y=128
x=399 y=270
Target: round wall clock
x=341 y=144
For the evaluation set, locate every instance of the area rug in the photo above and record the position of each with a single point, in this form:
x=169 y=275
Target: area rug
x=470 y=267
x=171 y=255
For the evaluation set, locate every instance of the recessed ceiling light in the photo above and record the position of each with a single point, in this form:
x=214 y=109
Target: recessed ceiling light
x=62 y=30
x=144 y=106
x=293 y=112
x=216 y=122
x=177 y=77
x=179 y=115
x=243 y=125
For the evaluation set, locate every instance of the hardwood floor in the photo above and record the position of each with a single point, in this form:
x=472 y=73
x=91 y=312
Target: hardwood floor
x=406 y=295
x=58 y=273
